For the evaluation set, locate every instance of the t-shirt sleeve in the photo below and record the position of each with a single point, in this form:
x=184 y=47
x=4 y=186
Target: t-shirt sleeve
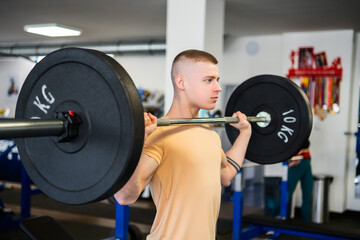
x=153 y=146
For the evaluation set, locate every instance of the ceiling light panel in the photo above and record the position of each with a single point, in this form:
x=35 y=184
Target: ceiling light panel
x=52 y=30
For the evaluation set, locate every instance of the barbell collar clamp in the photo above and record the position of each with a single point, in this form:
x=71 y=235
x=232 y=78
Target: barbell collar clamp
x=71 y=125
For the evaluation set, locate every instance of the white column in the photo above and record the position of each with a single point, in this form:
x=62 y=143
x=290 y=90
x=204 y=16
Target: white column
x=192 y=24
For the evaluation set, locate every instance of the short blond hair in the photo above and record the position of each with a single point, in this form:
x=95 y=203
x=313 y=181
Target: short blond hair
x=194 y=55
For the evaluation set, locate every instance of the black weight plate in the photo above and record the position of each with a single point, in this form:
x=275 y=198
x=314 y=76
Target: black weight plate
x=100 y=160
x=291 y=117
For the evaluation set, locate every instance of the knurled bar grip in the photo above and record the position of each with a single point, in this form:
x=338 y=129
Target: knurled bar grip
x=15 y=128
x=167 y=122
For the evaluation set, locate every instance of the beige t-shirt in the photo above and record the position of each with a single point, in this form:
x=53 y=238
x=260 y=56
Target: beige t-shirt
x=186 y=187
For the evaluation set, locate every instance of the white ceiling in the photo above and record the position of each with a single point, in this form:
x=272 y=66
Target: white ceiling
x=132 y=20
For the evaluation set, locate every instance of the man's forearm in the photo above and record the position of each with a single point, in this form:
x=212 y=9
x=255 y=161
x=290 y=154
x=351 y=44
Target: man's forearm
x=236 y=156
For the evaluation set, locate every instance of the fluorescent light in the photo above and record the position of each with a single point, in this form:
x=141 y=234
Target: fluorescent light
x=52 y=30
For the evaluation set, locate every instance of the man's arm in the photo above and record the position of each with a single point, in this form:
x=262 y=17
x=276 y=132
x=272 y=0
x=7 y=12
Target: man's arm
x=141 y=177
x=238 y=150
x=144 y=171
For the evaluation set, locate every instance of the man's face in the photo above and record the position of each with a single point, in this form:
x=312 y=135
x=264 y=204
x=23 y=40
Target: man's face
x=201 y=81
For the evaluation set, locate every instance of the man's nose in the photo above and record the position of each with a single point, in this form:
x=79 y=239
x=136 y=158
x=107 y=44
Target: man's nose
x=218 y=87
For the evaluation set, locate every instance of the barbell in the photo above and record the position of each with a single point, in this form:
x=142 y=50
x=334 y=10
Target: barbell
x=79 y=123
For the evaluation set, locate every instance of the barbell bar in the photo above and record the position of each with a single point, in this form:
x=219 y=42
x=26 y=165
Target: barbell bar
x=65 y=126
x=15 y=128
x=91 y=109
x=219 y=120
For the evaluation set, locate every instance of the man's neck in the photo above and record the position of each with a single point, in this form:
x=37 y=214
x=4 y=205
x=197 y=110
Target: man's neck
x=182 y=111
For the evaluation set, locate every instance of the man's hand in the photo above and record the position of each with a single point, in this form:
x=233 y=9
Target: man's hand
x=243 y=124
x=294 y=163
x=150 y=123
x=295 y=160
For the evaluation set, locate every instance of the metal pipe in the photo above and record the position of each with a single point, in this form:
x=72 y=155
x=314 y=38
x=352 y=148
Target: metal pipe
x=167 y=122
x=20 y=128
x=109 y=48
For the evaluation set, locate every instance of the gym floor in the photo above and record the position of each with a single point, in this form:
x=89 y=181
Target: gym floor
x=97 y=220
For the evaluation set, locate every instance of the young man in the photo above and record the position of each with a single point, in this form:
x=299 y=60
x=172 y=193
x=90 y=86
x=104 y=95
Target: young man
x=185 y=164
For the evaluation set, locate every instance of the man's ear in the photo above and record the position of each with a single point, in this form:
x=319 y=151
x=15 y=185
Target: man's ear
x=179 y=81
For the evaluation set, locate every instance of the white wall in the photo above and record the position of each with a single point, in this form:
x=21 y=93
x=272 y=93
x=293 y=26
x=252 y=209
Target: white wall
x=262 y=57
x=147 y=71
x=17 y=69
